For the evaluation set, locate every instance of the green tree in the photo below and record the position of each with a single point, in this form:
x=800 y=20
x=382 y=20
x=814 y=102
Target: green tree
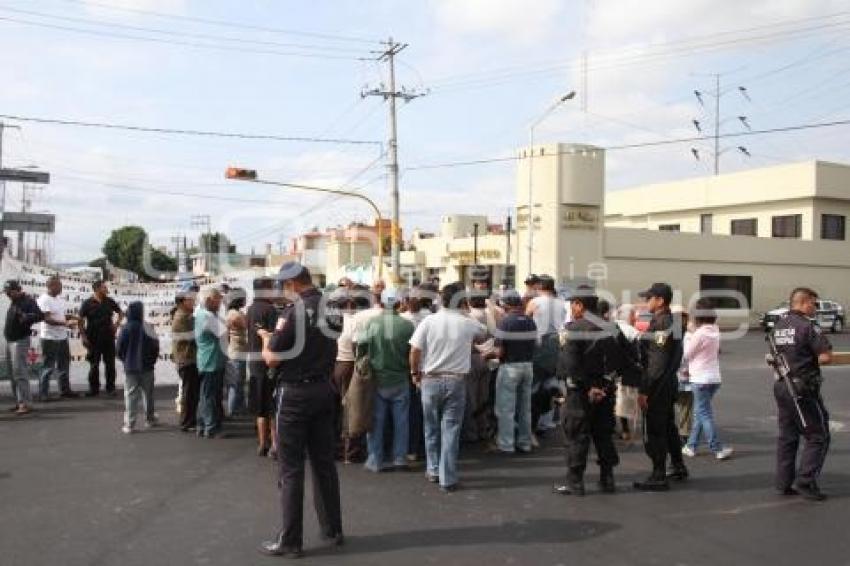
x=219 y=242
x=126 y=248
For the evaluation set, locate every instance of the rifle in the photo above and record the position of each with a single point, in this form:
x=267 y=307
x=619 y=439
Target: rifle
x=782 y=371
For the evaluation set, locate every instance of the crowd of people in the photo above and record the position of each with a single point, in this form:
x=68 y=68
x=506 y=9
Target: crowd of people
x=387 y=377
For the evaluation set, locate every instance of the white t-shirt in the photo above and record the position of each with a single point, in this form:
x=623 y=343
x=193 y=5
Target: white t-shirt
x=416 y=317
x=445 y=339
x=549 y=314
x=345 y=342
x=362 y=318
x=53 y=308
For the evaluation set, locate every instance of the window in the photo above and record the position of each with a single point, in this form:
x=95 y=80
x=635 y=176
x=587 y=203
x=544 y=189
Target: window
x=745 y=227
x=705 y=223
x=832 y=227
x=669 y=227
x=790 y=226
x=727 y=291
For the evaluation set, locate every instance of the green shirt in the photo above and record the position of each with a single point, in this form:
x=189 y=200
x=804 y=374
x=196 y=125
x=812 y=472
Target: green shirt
x=208 y=331
x=387 y=342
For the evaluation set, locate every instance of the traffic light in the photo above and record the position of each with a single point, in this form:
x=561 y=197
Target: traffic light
x=241 y=174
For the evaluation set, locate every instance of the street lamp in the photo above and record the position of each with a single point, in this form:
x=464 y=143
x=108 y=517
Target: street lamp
x=250 y=175
x=554 y=106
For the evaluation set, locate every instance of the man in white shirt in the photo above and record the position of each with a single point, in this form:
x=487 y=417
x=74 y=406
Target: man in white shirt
x=547 y=309
x=362 y=318
x=54 y=340
x=439 y=363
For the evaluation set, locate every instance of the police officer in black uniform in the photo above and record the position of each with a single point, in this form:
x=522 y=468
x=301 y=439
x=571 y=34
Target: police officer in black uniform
x=661 y=355
x=302 y=351
x=802 y=343
x=589 y=405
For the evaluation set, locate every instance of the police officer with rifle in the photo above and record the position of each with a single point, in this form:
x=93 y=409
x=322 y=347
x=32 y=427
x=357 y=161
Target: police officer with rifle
x=797 y=350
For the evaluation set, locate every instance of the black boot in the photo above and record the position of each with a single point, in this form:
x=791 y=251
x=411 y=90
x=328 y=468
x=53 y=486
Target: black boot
x=678 y=472
x=810 y=491
x=572 y=487
x=657 y=481
x=606 y=480
x=278 y=548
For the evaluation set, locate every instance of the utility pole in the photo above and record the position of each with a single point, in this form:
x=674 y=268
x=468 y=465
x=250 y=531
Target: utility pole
x=3 y=126
x=718 y=121
x=390 y=94
x=23 y=252
x=203 y=221
x=508 y=241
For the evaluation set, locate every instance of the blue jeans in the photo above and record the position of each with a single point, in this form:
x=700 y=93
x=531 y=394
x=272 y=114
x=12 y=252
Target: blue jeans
x=704 y=416
x=57 y=360
x=395 y=400
x=209 y=415
x=513 y=406
x=443 y=403
x=235 y=381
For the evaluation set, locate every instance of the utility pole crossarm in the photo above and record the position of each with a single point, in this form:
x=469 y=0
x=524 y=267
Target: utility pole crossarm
x=390 y=94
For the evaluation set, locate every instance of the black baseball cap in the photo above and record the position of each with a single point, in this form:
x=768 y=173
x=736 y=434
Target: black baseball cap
x=290 y=270
x=511 y=299
x=661 y=290
x=11 y=285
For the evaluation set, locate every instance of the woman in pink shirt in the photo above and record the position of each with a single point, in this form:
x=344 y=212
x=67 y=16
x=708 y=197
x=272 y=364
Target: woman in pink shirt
x=702 y=352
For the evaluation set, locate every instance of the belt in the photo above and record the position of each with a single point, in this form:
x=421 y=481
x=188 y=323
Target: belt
x=443 y=374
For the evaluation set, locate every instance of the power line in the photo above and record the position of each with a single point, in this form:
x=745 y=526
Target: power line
x=205 y=133
x=656 y=143
x=231 y=48
x=182 y=34
x=606 y=62
x=227 y=24
x=146 y=190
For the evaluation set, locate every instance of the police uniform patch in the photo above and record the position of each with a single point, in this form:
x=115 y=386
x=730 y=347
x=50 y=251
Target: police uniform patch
x=660 y=338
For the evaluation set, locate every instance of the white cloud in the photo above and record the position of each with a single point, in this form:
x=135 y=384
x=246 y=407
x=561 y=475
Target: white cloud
x=516 y=20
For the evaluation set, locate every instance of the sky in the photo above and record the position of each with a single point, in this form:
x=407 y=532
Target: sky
x=487 y=69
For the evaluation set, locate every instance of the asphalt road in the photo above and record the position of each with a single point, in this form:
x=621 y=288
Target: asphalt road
x=76 y=491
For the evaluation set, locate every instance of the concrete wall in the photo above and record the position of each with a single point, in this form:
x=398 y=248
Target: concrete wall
x=636 y=258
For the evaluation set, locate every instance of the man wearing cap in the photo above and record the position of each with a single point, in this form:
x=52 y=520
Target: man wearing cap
x=23 y=312
x=302 y=350
x=661 y=349
x=516 y=338
x=183 y=353
x=386 y=343
x=589 y=403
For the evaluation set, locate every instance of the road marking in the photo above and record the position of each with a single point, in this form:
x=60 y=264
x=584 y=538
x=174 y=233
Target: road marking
x=740 y=510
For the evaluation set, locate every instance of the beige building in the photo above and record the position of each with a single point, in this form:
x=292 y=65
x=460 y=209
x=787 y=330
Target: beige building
x=748 y=236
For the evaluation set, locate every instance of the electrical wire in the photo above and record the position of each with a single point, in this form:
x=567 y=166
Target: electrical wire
x=229 y=48
x=222 y=23
x=181 y=34
x=655 y=143
x=183 y=132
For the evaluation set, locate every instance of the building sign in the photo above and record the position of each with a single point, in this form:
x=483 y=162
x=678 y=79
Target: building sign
x=579 y=217
x=468 y=256
x=522 y=221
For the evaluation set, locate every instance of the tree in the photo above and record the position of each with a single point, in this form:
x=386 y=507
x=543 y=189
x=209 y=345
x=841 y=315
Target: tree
x=127 y=248
x=219 y=242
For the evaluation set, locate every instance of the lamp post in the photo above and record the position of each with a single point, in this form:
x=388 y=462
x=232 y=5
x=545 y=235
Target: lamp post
x=250 y=175
x=554 y=106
